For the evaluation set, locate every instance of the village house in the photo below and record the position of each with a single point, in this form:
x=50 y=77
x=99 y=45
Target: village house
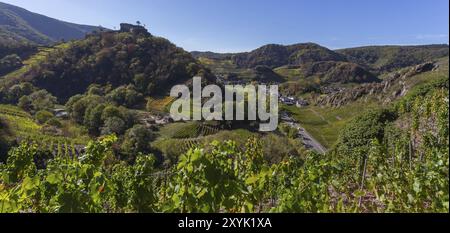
x=288 y=100
x=61 y=113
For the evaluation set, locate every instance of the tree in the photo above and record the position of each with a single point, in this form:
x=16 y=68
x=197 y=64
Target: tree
x=54 y=122
x=9 y=63
x=113 y=125
x=25 y=103
x=78 y=105
x=140 y=82
x=132 y=97
x=42 y=100
x=71 y=102
x=111 y=111
x=125 y=95
x=95 y=90
x=137 y=140
x=359 y=133
x=78 y=110
x=14 y=93
x=93 y=118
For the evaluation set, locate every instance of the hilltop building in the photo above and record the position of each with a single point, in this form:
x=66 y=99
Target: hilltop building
x=135 y=29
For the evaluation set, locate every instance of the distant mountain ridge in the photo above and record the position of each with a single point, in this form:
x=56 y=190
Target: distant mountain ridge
x=274 y=55
x=307 y=66
x=389 y=58
x=18 y=25
x=377 y=59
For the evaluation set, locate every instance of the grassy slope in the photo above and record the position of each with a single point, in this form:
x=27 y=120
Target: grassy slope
x=290 y=73
x=324 y=124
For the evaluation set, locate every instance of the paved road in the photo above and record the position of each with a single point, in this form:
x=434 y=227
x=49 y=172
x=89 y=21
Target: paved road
x=309 y=141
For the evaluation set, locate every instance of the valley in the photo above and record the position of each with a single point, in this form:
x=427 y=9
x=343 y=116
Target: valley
x=361 y=129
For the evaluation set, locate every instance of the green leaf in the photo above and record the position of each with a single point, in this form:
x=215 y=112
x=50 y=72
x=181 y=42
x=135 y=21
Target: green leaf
x=53 y=178
x=251 y=180
x=416 y=186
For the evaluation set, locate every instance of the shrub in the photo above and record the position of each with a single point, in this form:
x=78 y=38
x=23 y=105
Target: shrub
x=359 y=133
x=113 y=125
x=43 y=116
x=54 y=122
x=137 y=139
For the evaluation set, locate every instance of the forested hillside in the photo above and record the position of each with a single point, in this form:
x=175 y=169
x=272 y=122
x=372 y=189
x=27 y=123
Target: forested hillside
x=151 y=63
x=389 y=58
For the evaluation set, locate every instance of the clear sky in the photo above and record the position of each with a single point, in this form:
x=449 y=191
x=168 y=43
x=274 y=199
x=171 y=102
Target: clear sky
x=242 y=25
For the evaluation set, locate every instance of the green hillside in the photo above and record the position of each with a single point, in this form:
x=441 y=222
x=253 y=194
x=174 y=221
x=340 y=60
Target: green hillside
x=279 y=55
x=18 y=25
x=151 y=63
x=389 y=58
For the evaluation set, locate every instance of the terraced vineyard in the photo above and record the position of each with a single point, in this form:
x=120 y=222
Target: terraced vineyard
x=13 y=111
x=190 y=130
x=227 y=67
x=207 y=129
x=19 y=122
x=42 y=53
x=159 y=105
x=24 y=128
x=59 y=146
x=187 y=144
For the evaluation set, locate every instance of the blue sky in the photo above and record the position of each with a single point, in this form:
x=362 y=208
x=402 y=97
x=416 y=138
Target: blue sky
x=243 y=25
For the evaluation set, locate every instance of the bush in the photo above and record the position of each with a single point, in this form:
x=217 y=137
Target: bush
x=290 y=131
x=113 y=125
x=42 y=100
x=137 y=140
x=54 y=122
x=126 y=95
x=9 y=63
x=11 y=95
x=93 y=118
x=77 y=106
x=111 y=111
x=357 y=136
x=25 y=103
x=43 y=116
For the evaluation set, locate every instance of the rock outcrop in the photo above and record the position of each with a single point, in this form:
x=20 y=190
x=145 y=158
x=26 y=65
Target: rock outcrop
x=388 y=90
